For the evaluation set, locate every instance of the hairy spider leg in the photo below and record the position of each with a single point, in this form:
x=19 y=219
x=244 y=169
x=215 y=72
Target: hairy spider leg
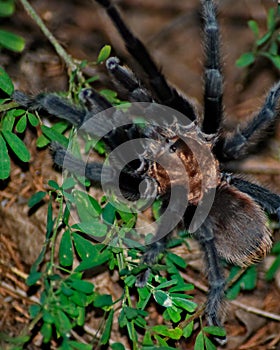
x=53 y=104
x=97 y=124
x=127 y=82
x=97 y=172
x=162 y=91
x=270 y=202
x=216 y=280
x=213 y=80
x=79 y=117
x=64 y=159
x=169 y=219
x=239 y=144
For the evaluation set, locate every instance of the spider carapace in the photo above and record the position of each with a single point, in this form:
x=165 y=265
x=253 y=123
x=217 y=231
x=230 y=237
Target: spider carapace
x=235 y=226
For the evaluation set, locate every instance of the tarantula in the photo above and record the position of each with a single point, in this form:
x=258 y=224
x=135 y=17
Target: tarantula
x=235 y=226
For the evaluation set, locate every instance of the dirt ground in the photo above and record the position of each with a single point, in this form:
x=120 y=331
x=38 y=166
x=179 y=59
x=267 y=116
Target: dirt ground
x=172 y=31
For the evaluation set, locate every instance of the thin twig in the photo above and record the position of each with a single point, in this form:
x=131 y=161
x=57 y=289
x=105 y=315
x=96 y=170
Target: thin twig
x=72 y=66
x=19 y=292
x=245 y=307
x=256 y=311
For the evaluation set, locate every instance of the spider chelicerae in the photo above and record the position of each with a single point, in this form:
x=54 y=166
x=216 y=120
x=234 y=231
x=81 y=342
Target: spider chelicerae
x=181 y=160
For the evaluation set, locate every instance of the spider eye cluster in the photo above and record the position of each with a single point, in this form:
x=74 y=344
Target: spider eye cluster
x=173 y=148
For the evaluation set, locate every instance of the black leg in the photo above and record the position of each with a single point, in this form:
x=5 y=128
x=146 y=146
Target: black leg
x=162 y=91
x=89 y=118
x=128 y=183
x=213 y=81
x=238 y=144
x=127 y=82
x=172 y=212
x=270 y=202
x=53 y=104
x=214 y=305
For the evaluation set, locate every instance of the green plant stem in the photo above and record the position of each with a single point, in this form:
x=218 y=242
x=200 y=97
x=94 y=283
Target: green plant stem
x=72 y=66
x=59 y=220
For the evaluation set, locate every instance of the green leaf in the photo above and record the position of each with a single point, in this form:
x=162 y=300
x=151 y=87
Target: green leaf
x=144 y=297
x=46 y=331
x=78 y=345
x=174 y=313
x=21 y=124
x=156 y=208
x=182 y=288
x=162 y=298
x=102 y=300
x=60 y=127
x=81 y=316
x=271 y=19
x=130 y=312
x=36 y=198
x=128 y=218
x=117 y=346
x=8 y=121
x=66 y=250
x=17 y=145
x=264 y=39
x=122 y=318
x=130 y=280
x=209 y=345
x=34 y=310
x=53 y=135
x=78 y=298
x=110 y=95
x=187 y=331
x=21 y=340
x=147 y=340
x=33 y=120
x=101 y=259
x=213 y=330
x=175 y=333
x=85 y=248
x=93 y=228
x=53 y=184
x=11 y=41
x=247 y=281
x=62 y=323
x=82 y=286
x=274 y=59
x=108 y=328
x=68 y=183
x=161 y=342
x=199 y=342
x=166 y=284
x=273 y=50
x=273 y=269
x=5 y=165
x=109 y=213
x=33 y=278
x=185 y=304
x=7 y=8
x=254 y=27
x=6 y=83
x=245 y=59
x=18 y=112
x=104 y=53
x=88 y=208
x=276 y=248
x=177 y=260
